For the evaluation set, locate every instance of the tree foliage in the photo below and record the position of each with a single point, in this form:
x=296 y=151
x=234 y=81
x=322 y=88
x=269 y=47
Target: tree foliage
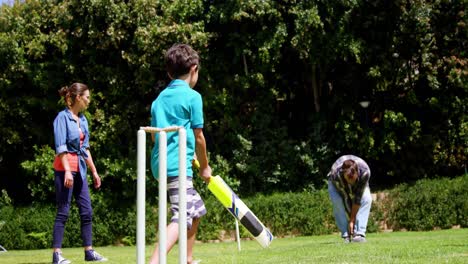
x=281 y=82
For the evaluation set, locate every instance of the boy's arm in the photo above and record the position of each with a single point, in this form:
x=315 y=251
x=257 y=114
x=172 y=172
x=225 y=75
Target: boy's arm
x=200 y=150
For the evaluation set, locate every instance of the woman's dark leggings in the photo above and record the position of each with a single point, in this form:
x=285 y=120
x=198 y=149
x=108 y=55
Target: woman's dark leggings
x=80 y=191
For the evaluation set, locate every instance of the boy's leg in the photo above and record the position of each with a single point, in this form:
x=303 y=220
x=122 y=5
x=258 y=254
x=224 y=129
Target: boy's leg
x=363 y=213
x=173 y=227
x=191 y=235
x=339 y=210
x=195 y=209
x=172 y=236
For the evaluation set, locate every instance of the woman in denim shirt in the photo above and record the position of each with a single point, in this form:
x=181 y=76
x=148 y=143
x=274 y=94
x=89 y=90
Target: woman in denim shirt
x=71 y=136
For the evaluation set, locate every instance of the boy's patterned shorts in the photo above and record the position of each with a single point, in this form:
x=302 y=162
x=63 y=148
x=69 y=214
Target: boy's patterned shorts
x=195 y=205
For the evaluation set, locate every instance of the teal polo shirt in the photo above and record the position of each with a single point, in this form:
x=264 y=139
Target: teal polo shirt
x=176 y=105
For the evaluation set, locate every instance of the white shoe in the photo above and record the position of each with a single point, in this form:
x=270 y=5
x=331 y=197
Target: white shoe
x=359 y=239
x=91 y=255
x=57 y=258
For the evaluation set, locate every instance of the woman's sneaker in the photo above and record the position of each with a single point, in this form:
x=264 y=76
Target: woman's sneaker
x=91 y=255
x=58 y=259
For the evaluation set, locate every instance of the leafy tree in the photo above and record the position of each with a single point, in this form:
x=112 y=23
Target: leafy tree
x=281 y=82
x=112 y=46
x=408 y=45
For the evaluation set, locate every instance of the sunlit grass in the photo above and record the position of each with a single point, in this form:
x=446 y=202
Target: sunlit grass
x=444 y=246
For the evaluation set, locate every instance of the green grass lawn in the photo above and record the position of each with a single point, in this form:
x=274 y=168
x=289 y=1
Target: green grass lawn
x=444 y=246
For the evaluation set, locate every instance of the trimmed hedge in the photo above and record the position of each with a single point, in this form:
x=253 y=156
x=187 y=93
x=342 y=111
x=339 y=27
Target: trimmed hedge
x=426 y=205
x=429 y=204
x=306 y=213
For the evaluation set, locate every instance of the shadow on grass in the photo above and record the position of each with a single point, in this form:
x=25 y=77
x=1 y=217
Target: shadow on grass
x=34 y=262
x=328 y=243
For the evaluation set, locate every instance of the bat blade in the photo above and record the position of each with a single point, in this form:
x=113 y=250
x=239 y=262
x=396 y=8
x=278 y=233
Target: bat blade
x=240 y=211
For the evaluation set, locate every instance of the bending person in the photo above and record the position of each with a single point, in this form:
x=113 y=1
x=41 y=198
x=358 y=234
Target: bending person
x=348 y=186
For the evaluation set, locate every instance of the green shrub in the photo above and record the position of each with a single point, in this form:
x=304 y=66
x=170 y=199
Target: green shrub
x=460 y=199
x=32 y=227
x=26 y=228
x=429 y=204
x=377 y=217
x=215 y=222
x=306 y=213
x=41 y=173
x=426 y=205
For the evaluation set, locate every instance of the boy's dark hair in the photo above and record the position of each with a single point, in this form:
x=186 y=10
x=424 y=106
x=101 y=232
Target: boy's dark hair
x=179 y=58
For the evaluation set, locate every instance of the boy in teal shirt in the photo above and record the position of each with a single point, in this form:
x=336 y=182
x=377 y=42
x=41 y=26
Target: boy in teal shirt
x=180 y=105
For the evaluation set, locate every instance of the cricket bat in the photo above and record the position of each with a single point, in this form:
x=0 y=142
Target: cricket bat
x=239 y=210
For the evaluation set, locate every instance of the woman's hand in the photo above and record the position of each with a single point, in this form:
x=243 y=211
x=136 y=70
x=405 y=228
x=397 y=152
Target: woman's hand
x=68 y=181
x=96 y=180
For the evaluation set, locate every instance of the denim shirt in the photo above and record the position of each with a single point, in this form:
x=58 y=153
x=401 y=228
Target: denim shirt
x=67 y=137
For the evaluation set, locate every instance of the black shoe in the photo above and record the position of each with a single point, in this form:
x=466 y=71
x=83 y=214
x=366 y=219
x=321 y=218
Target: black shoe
x=58 y=259
x=91 y=255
